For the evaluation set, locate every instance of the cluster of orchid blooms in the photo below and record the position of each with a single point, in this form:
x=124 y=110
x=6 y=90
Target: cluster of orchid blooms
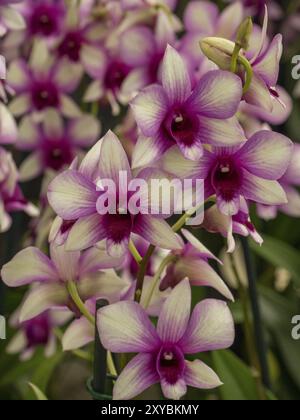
x=196 y=99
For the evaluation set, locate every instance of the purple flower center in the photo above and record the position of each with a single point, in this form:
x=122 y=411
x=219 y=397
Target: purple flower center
x=117 y=226
x=71 y=46
x=57 y=153
x=38 y=330
x=45 y=95
x=115 y=75
x=170 y=363
x=181 y=127
x=226 y=178
x=44 y=20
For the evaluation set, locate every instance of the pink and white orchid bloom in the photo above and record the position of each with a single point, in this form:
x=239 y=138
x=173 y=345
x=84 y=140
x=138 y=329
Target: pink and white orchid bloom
x=174 y=114
x=125 y=328
x=31 y=266
x=234 y=174
x=76 y=196
x=54 y=144
x=42 y=84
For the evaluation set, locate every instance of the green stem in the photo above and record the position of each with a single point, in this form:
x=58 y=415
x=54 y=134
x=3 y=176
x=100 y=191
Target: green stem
x=135 y=253
x=73 y=292
x=234 y=58
x=167 y=261
x=249 y=72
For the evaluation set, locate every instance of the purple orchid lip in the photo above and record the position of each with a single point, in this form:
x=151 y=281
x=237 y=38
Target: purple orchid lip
x=45 y=18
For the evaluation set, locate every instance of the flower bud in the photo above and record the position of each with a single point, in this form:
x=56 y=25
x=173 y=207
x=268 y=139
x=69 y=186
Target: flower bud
x=218 y=50
x=244 y=33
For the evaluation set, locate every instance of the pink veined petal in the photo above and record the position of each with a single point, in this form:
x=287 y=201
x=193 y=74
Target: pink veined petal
x=28 y=266
x=174 y=391
x=124 y=327
x=292 y=175
x=259 y=94
x=201 y=17
x=147 y=151
x=67 y=263
x=157 y=232
x=97 y=258
x=164 y=31
x=175 y=313
x=199 y=375
x=43 y=298
x=137 y=45
x=113 y=159
x=150 y=108
x=175 y=76
x=267 y=154
x=267 y=66
x=194 y=152
x=219 y=133
x=78 y=334
x=84 y=131
x=89 y=166
x=86 y=232
x=138 y=375
x=72 y=195
x=217 y=95
x=200 y=273
x=211 y=327
x=262 y=191
x=198 y=246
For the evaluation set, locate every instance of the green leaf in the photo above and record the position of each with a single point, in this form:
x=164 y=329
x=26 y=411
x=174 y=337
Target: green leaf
x=280 y=254
x=239 y=384
x=40 y=396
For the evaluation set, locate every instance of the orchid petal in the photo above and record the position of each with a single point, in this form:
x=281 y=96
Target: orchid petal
x=28 y=266
x=211 y=327
x=199 y=375
x=124 y=327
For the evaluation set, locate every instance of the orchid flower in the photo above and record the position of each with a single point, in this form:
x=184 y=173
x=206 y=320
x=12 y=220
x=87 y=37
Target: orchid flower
x=250 y=172
x=52 y=275
x=41 y=85
x=35 y=333
x=81 y=41
x=54 y=144
x=124 y=327
x=44 y=18
x=76 y=195
x=10 y=18
x=143 y=50
x=174 y=114
x=11 y=196
x=192 y=263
